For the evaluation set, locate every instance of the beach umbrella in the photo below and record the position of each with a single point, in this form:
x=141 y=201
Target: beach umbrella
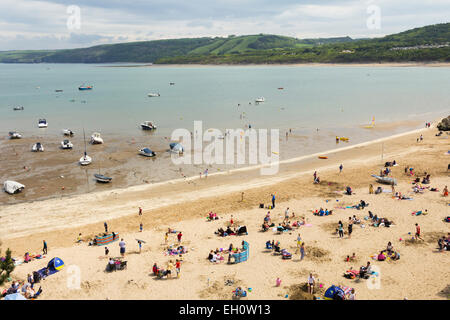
x=15 y=296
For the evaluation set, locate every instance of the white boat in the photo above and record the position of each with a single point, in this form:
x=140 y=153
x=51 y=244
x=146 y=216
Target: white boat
x=14 y=135
x=147 y=152
x=261 y=99
x=37 y=147
x=12 y=187
x=96 y=138
x=176 y=148
x=85 y=159
x=148 y=125
x=67 y=132
x=18 y=108
x=42 y=123
x=66 y=144
x=154 y=95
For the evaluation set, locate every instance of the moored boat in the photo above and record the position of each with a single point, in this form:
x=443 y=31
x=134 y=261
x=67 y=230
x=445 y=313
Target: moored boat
x=42 y=123
x=14 y=135
x=96 y=138
x=102 y=178
x=66 y=144
x=148 y=125
x=83 y=87
x=147 y=152
x=37 y=147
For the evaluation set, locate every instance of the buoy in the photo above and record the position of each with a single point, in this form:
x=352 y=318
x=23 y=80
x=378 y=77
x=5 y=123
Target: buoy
x=62 y=188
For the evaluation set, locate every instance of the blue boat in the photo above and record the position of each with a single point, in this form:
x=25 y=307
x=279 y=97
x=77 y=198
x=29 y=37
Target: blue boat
x=83 y=87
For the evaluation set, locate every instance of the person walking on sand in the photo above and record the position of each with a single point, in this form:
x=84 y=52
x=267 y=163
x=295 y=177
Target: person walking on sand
x=299 y=243
x=302 y=251
x=44 y=249
x=311 y=283
x=140 y=211
x=166 y=237
x=242 y=196
x=341 y=229
x=417 y=235
x=106 y=227
x=350 y=226
x=177 y=267
x=315 y=175
x=140 y=246
x=106 y=251
x=179 y=235
x=273 y=201
x=206 y=173
x=122 y=247
x=340 y=168
x=141 y=226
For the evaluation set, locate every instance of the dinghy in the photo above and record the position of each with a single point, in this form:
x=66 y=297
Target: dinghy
x=102 y=178
x=17 y=108
x=37 y=147
x=42 y=123
x=385 y=180
x=148 y=125
x=66 y=144
x=154 y=95
x=12 y=187
x=96 y=138
x=14 y=135
x=147 y=152
x=258 y=100
x=67 y=132
x=83 y=87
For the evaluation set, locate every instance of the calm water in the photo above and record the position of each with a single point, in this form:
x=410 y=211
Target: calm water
x=335 y=99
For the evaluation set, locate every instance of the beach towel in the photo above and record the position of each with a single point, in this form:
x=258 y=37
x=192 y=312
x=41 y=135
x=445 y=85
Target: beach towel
x=346 y=290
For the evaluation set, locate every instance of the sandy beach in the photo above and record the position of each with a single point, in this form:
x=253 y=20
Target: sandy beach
x=183 y=204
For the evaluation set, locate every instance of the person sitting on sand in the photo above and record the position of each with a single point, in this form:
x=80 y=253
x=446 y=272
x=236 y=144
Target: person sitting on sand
x=348 y=190
x=381 y=256
x=389 y=248
x=395 y=256
x=353 y=257
x=210 y=256
x=155 y=269
x=445 y=192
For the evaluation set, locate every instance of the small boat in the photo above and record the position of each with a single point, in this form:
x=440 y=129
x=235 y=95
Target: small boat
x=14 y=135
x=147 y=152
x=258 y=100
x=154 y=95
x=323 y=157
x=42 y=123
x=176 y=148
x=37 y=147
x=67 y=132
x=12 y=187
x=148 y=125
x=58 y=90
x=343 y=139
x=17 y=108
x=66 y=144
x=172 y=83
x=101 y=178
x=96 y=138
x=83 y=87
x=280 y=88
x=385 y=180
x=85 y=159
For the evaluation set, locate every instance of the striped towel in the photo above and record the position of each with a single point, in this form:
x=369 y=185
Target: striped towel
x=346 y=290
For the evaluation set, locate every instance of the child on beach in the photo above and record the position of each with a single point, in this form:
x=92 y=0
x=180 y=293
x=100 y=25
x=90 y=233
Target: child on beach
x=141 y=226
x=179 y=235
x=417 y=235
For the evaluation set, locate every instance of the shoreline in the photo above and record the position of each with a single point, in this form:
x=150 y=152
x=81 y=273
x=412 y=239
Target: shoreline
x=309 y=64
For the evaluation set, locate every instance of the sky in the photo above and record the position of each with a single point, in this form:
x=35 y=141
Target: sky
x=61 y=24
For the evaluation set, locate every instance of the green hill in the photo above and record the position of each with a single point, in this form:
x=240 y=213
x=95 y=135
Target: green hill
x=426 y=44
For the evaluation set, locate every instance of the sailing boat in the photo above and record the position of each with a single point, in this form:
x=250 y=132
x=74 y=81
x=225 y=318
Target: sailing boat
x=372 y=125
x=101 y=178
x=85 y=159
